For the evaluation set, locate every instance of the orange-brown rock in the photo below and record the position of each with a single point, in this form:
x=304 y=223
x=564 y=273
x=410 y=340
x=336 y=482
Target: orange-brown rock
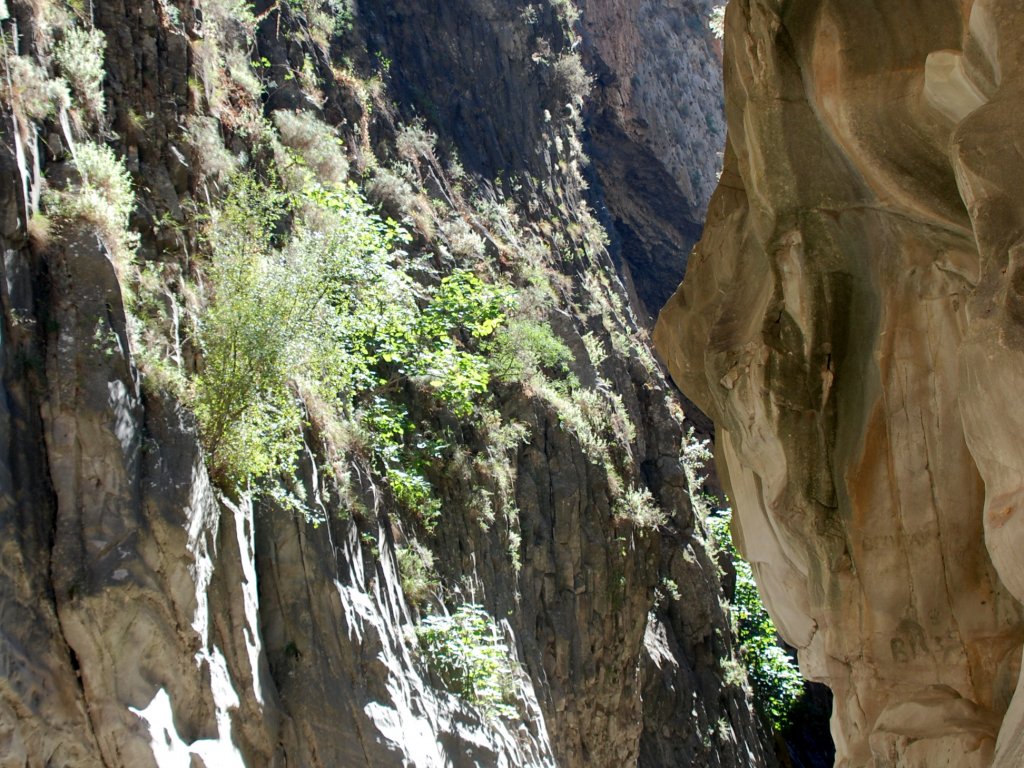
x=853 y=321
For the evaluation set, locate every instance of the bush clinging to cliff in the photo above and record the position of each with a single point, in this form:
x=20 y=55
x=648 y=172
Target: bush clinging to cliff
x=773 y=675
x=472 y=661
x=329 y=306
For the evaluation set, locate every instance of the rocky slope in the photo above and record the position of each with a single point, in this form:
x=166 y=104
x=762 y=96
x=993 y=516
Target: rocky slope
x=158 y=613
x=850 y=320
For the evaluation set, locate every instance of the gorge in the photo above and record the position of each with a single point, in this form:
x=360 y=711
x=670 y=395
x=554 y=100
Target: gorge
x=331 y=428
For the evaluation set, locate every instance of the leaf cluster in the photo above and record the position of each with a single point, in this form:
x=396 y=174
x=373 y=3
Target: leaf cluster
x=417 y=572
x=525 y=347
x=311 y=289
x=773 y=674
x=468 y=655
x=79 y=57
x=102 y=196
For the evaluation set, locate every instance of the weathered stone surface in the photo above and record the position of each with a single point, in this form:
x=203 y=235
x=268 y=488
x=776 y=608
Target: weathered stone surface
x=849 y=321
x=579 y=606
x=163 y=636
x=656 y=130
x=148 y=620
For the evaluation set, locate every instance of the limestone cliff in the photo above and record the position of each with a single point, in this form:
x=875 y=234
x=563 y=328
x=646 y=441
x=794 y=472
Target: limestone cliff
x=851 y=321
x=656 y=131
x=154 y=613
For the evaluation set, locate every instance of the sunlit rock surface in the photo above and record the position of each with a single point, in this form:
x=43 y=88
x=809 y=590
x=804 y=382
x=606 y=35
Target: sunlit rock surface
x=656 y=131
x=853 y=321
x=148 y=619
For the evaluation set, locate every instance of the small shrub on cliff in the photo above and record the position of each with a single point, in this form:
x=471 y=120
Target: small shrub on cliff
x=102 y=197
x=470 y=658
x=639 y=506
x=567 y=11
x=324 y=18
x=773 y=675
x=527 y=347
x=317 y=144
x=417 y=573
x=30 y=93
x=570 y=78
x=414 y=142
x=79 y=57
x=209 y=155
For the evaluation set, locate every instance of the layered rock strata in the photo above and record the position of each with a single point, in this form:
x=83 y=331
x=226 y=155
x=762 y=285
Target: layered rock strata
x=851 y=320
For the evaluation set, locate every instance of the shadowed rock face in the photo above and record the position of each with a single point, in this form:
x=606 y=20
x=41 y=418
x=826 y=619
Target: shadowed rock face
x=852 y=321
x=149 y=620
x=656 y=132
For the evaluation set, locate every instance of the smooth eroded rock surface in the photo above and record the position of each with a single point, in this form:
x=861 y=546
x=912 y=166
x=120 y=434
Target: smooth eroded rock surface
x=852 y=322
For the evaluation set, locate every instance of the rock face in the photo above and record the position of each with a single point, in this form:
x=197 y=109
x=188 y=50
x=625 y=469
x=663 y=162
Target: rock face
x=656 y=130
x=851 y=322
x=152 y=619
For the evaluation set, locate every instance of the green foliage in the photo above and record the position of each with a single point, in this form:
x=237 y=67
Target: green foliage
x=570 y=79
x=227 y=15
x=567 y=11
x=390 y=190
x=105 y=181
x=774 y=676
x=639 y=506
x=670 y=589
x=403 y=453
x=415 y=142
x=587 y=414
x=462 y=303
x=416 y=571
x=102 y=196
x=251 y=337
x=694 y=456
x=210 y=156
x=324 y=17
x=317 y=148
x=525 y=347
x=29 y=92
x=468 y=655
x=79 y=57
x=462 y=239
x=329 y=308
x=307 y=310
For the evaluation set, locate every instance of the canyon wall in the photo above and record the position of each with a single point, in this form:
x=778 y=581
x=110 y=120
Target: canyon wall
x=655 y=132
x=852 y=322
x=154 y=614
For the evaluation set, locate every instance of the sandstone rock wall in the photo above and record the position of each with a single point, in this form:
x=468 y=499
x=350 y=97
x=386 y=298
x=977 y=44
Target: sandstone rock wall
x=850 y=322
